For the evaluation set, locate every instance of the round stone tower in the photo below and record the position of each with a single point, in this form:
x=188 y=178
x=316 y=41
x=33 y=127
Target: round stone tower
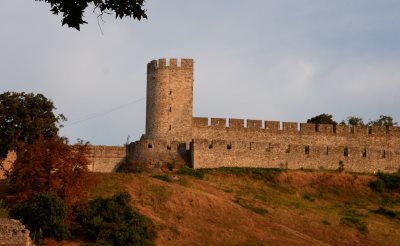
x=169 y=102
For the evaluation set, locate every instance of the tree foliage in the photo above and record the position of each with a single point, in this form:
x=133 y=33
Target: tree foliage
x=24 y=118
x=383 y=120
x=322 y=119
x=111 y=221
x=44 y=215
x=51 y=165
x=353 y=121
x=72 y=11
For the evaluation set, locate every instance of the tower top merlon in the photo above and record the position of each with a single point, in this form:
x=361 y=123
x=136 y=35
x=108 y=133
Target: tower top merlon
x=184 y=63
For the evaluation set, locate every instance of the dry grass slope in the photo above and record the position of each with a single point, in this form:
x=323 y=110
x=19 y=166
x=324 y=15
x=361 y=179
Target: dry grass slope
x=228 y=207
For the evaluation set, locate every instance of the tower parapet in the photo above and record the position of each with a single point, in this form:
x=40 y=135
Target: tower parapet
x=168 y=64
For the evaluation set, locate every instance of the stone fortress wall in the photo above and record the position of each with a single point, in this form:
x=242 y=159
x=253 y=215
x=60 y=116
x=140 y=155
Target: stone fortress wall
x=173 y=134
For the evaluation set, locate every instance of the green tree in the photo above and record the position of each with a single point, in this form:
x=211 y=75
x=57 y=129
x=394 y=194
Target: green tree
x=355 y=121
x=383 y=120
x=24 y=118
x=322 y=119
x=72 y=11
x=111 y=221
x=44 y=215
x=45 y=162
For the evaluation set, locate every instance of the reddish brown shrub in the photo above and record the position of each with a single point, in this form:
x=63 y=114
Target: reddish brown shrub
x=51 y=165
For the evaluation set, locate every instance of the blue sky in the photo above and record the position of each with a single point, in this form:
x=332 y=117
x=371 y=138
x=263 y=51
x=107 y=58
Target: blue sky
x=284 y=60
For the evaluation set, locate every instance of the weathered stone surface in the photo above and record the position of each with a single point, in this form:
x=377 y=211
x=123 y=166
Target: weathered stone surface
x=14 y=233
x=106 y=159
x=7 y=163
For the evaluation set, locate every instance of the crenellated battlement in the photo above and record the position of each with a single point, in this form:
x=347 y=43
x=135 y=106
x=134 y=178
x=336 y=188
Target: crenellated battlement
x=294 y=127
x=172 y=63
x=266 y=148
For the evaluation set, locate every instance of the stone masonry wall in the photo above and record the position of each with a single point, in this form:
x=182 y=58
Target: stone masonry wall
x=7 y=163
x=13 y=232
x=272 y=144
x=157 y=152
x=106 y=158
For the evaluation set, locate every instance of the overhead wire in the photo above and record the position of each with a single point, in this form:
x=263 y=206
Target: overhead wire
x=102 y=113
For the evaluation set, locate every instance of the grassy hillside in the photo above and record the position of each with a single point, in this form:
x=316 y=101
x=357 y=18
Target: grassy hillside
x=232 y=206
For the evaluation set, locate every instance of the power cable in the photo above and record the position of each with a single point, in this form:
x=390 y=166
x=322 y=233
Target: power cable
x=95 y=115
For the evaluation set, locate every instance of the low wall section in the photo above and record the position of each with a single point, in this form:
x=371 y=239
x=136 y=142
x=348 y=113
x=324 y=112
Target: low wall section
x=101 y=158
x=106 y=158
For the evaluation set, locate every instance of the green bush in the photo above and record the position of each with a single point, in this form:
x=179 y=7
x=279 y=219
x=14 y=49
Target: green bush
x=391 y=180
x=171 y=166
x=341 y=166
x=325 y=222
x=307 y=196
x=386 y=212
x=256 y=210
x=3 y=209
x=268 y=174
x=386 y=182
x=44 y=215
x=111 y=221
x=354 y=218
x=377 y=185
x=197 y=173
x=355 y=222
x=163 y=178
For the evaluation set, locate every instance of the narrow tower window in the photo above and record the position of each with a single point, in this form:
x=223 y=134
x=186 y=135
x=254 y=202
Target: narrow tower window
x=288 y=149
x=346 y=151
x=170 y=109
x=364 y=153
x=307 y=149
x=170 y=127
